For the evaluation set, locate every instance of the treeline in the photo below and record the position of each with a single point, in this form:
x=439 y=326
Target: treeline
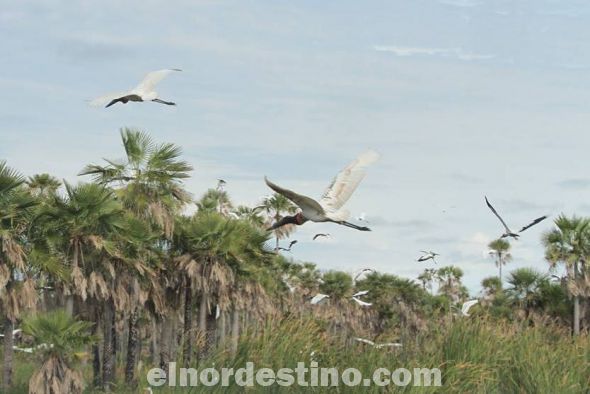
x=113 y=267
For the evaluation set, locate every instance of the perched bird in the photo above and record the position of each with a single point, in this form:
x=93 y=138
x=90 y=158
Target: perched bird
x=427 y=256
x=329 y=207
x=361 y=302
x=221 y=184
x=318 y=298
x=466 y=306
x=142 y=92
x=320 y=235
x=378 y=345
x=508 y=232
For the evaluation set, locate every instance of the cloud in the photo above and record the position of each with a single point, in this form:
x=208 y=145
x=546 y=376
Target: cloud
x=457 y=53
x=574 y=183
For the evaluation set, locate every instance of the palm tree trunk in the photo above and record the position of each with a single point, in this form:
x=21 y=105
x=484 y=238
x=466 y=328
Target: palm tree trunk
x=108 y=351
x=167 y=330
x=188 y=322
x=235 y=330
x=97 y=381
x=8 y=354
x=221 y=329
x=132 y=347
x=202 y=322
x=576 y=315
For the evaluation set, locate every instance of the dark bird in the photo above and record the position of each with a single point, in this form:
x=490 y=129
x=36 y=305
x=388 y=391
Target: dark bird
x=508 y=232
x=145 y=91
x=320 y=235
x=290 y=246
x=329 y=207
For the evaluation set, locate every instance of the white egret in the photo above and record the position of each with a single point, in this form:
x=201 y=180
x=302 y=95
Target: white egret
x=466 y=306
x=329 y=207
x=361 y=302
x=427 y=256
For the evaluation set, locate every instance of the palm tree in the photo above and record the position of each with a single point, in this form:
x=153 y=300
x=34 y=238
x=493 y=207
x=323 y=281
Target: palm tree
x=58 y=340
x=492 y=286
x=500 y=250
x=43 y=185
x=525 y=284
x=426 y=278
x=149 y=182
x=449 y=279
x=17 y=290
x=569 y=244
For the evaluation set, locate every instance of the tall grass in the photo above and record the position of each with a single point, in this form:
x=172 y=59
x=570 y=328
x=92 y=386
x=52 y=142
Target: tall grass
x=474 y=356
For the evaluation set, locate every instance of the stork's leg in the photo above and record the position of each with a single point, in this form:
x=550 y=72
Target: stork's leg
x=354 y=226
x=163 y=102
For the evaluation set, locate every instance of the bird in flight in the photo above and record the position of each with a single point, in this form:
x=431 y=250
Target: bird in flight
x=142 y=92
x=428 y=256
x=361 y=302
x=466 y=306
x=378 y=345
x=508 y=232
x=320 y=235
x=290 y=246
x=329 y=207
x=318 y=298
x=360 y=293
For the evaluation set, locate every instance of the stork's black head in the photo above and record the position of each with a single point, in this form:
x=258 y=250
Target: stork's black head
x=297 y=219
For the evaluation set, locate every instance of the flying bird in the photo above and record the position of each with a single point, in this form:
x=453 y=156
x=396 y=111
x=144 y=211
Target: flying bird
x=508 y=232
x=360 y=273
x=320 y=235
x=466 y=306
x=290 y=246
x=329 y=207
x=318 y=298
x=427 y=256
x=361 y=293
x=361 y=302
x=145 y=91
x=378 y=345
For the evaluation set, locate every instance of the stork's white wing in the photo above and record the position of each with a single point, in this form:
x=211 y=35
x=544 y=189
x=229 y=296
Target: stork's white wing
x=360 y=293
x=107 y=98
x=303 y=202
x=361 y=302
x=152 y=79
x=318 y=298
x=467 y=305
x=345 y=183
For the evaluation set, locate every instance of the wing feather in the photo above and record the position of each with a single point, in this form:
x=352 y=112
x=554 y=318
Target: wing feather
x=498 y=216
x=151 y=79
x=536 y=221
x=107 y=98
x=347 y=180
x=303 y=202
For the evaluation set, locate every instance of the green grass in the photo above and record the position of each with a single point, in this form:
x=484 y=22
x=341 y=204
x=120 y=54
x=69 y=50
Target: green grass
x=474 y=356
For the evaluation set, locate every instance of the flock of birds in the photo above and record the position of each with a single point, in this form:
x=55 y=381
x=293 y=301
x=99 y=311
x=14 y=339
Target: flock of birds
x=328 y=208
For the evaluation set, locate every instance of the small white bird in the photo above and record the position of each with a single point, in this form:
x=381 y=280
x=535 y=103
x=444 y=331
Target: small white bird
x=361 y=293
x=142 y=92
x=329 y=207
x=15 y=333
x=318 y=298
x=466 y=306
x=361 y=302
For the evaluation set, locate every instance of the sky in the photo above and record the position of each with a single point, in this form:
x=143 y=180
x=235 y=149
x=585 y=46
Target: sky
x=462 y=99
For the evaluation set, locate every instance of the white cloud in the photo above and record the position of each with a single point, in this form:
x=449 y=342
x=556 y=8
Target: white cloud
x=443 y=52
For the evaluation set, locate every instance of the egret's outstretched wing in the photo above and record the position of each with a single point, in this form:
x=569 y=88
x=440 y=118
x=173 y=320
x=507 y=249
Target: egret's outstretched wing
x=467 y=305
x=152 y=79
x=498 y=216
x=345 y=183
x=107 y=98
x=537 y=220
x=361 y=302
x=303 y=202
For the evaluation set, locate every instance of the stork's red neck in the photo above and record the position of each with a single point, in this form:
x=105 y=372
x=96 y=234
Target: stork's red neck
x=299 y=219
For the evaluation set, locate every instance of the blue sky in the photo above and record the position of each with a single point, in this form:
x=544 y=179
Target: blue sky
x=462 y=98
